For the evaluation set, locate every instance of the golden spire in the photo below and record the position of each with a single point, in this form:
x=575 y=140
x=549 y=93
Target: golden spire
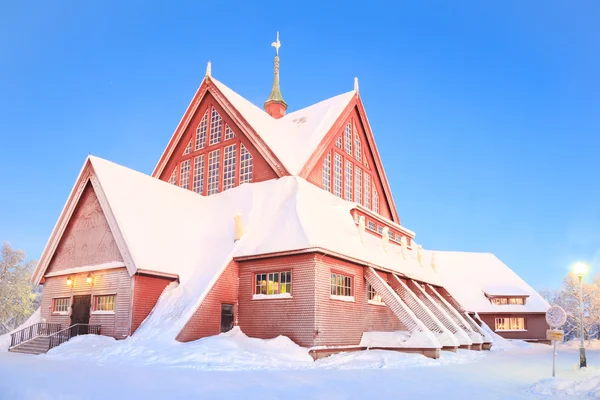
x=275 y=105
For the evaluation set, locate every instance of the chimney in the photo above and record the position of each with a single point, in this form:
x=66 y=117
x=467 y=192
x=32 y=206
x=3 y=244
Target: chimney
x=238 y=230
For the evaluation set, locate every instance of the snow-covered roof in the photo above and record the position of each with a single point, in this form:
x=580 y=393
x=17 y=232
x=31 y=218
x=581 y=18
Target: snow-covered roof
x=294 y=137
x=469 y=276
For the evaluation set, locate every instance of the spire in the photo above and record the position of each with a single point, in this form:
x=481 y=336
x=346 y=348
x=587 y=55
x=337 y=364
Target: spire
x=275 y=105
x=208 y=69
x=356 y=85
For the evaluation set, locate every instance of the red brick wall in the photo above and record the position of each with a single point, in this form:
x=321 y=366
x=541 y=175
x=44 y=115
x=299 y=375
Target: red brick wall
x=268 y=318
x=146 y=291
x=206 y=320
x=535 y=325
x=261 y=169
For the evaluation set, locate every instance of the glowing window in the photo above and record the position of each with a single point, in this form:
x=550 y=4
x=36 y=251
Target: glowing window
x=61 y=305
x=341 y=285
x=273 y=283
x=510 y=324
x=104 y=303
x=374 y=297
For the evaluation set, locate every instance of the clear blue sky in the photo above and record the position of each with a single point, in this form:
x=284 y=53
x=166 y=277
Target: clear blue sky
x=487 y=116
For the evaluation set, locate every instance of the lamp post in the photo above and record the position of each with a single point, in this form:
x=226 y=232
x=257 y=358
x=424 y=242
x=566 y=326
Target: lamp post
x=580 y=269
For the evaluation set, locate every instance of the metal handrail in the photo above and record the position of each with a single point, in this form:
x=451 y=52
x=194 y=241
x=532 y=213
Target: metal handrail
x=66 y=334
x=33 y=331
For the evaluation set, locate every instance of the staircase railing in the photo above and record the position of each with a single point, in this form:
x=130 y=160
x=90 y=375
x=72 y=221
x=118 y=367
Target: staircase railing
x=66 y=334
x=33 y=331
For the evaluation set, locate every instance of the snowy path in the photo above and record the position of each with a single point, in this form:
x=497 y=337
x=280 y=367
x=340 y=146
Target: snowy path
x=508 y=374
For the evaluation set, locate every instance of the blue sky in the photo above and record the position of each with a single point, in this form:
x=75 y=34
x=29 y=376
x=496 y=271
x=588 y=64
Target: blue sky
x=486 y=115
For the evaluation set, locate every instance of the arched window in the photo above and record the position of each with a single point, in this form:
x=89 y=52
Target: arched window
x=216 y=125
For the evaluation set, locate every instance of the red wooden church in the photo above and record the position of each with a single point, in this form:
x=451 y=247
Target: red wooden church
x=279 y=223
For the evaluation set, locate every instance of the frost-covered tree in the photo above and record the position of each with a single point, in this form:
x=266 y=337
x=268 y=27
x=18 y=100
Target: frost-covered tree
x=18 y=296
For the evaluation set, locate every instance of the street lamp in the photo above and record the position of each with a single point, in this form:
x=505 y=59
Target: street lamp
x=580 y=269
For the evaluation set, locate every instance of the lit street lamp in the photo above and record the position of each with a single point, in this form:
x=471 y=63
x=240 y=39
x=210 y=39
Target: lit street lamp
x=580 y=269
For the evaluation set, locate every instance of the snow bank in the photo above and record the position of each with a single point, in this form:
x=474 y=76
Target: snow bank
x=33 y=319
x=396 y=339
x=574 y=344
x=584 y=388
x=499 y=343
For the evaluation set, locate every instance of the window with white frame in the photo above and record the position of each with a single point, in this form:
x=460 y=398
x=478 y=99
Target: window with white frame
x=348 y=181
x=510 y=324
x=184 y=179
x=379 y=229
x=371 y=225
x=358 y=185
x=341 y=285
x=374 y=297
x=357 y=146
x=201 y=132
x=391 y=235
x=245 y=165
x=337 y=175
x=271 y=283
x=173 y=178
x=502 y=301
x=104 y=303
x=338 y=142
x=327 y=173
x=198 y=184
x=348 y=138
x=216 y=125
x=61 y=305
x=375 y=201
x=367 y=202
x=229 y=170
x=213 y=171
x=228 y=133
x=188 y=148
x=397 y=238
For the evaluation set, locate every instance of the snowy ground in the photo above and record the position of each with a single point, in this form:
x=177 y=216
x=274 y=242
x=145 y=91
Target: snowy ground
x=234 y=366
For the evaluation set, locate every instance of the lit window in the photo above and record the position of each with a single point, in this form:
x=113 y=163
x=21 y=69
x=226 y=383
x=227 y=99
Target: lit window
x=213 y=172
x=229 y=169
x=245 y=165
x=184 y=180
x=375 y=201
x=510 y=324
x=201 y=132
x=371 y=225
x=198 y=185
x=374 y=297
x=348 y=138
x=327 y=173
x=173 y=178
x=188 y=148
x=337 y=175
x=61 y=305
x=273 y=283
x=516 y=300
x=338 y=142
x=357 y=146
x=216 y=125
x=104 y=303
x=341 y=285
x=348 y=181
x=358 y=185
x=502 y=301
x=229 y=133
x=367 y=191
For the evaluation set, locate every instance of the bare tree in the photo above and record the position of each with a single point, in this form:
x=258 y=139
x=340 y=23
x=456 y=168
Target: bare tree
x=18 y=296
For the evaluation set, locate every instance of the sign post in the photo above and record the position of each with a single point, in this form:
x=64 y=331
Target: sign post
x=555 y=317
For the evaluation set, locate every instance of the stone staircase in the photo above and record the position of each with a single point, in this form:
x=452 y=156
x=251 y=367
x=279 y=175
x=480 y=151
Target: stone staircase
x=38 y=345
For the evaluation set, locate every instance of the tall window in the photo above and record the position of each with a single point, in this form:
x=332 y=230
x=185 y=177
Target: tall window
x=61 y=305
x=229 y=133
x=213 y=172
x=188 y=148
x=358 y=185
x=173 y=178
x=348 y=181
x=273 y=283
x=229 y=170
x=367 y=191
x=216 y=124
x=198 y=184
x=338 y=142
x=184 y=180
x=348 y=138
x=375 y=200
x=327 y=173
x=374 y=297
x=341 y=285
x=201 y=132
x=245 y=165
x=104 y=303
x=337 y=175
x=510 y=324
x=357 y=146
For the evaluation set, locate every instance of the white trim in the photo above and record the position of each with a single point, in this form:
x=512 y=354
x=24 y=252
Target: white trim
x=271 y=296
x=384 y=220
x=102 y=312
x=87 y=268
x=376 y=303
x=510 y=330
x=342 y=298
x=60 y=312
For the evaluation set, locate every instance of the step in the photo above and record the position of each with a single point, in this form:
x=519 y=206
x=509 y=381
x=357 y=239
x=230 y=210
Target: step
x=37 y=345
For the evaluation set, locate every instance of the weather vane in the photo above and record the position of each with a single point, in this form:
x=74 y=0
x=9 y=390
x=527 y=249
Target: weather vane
x=277 y=45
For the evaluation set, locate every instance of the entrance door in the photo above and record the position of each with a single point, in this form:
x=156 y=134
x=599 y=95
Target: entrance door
x=226 y=317
x=80 y=310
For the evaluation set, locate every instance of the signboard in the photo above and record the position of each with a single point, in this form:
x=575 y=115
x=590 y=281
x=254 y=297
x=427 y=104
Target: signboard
x=556 y=317
x=554 y=334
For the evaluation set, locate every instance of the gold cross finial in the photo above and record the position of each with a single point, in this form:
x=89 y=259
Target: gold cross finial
x=277 y=45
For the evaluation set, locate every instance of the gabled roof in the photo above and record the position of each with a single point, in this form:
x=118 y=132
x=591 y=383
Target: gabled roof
x=469 y=276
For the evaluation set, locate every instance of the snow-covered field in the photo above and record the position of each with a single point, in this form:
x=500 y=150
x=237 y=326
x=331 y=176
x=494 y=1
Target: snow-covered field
x=234 y=366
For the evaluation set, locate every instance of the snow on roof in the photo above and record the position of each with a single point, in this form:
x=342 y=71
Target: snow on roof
x=294 y=137
x=468 y=276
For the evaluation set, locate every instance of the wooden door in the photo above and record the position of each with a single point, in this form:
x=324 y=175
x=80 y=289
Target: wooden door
x=80 y=310
x=226 y=317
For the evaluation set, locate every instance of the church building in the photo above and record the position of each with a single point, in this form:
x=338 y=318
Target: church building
x=279 y=223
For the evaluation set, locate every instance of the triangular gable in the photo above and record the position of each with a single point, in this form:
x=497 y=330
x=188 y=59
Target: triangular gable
x=368 y=157
x=86 y=201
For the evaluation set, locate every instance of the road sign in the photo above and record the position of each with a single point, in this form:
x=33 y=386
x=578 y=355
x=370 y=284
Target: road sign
x=556 y=317
x=554 y=334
